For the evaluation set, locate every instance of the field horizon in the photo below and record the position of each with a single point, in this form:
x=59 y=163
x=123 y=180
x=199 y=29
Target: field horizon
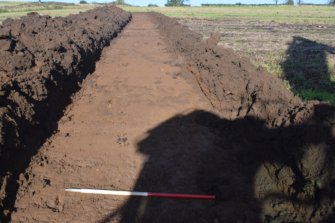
x=262 y=33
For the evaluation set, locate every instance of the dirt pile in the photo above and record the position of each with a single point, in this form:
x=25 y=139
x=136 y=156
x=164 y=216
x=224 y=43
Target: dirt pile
x=233 y=84
x=279 y=150
x=44 y=61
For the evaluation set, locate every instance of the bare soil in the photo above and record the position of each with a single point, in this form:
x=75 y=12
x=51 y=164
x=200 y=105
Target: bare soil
x=280 y=148
x=137 y=86
x=166 y=111
x=44 y=61
x=303 y=55
x=264 y=42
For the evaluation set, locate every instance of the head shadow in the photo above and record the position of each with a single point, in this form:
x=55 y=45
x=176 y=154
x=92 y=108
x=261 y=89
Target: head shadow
x=307 y=70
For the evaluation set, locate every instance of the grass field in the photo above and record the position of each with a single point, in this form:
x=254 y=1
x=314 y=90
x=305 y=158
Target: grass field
x=18 y=9
x=282 y=13
x=295 y=43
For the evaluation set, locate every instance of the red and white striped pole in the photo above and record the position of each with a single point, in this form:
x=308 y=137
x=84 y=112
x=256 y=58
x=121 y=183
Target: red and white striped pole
x=142 y=194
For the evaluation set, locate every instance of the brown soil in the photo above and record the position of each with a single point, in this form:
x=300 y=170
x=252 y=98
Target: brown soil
x=45 y=61
x=301 y=54
x=282 y=148
x=233 y=84
x=141 y=122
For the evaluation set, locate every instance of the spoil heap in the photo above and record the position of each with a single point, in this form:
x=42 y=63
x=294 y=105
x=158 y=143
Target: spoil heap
x=44 y=60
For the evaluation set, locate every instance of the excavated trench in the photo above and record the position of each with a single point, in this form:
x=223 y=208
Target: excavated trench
x=44 y=61
x=273 y=155
x=284 y=146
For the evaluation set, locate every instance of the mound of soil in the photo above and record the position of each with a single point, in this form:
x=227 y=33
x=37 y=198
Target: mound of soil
x=234 y=86
x=44 y=61
x=278 y=149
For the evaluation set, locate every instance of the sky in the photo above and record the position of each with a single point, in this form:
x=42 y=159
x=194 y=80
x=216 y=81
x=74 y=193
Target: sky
x=199 y=2
x=194 y=2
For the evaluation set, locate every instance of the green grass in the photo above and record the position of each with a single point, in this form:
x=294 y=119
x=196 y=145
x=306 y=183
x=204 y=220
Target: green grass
x=282 y=14
x=18 y=9
x=8 y=3
x=317 y=95
x=264 y=33
x=268 y=51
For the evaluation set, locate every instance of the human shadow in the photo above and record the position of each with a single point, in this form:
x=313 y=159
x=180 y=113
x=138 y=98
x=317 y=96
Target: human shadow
x=258 y=174
x=306 y=68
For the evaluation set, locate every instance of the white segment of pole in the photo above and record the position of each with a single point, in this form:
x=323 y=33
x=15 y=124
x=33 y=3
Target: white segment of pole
x=108 y=192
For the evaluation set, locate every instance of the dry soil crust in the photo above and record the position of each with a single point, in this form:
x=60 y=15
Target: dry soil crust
x=44 y=61
x=141 y=123
x=281 y=163
x=101 y=142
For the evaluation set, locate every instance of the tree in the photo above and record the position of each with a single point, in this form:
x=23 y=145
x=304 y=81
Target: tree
x=175 y=2
x=299 y=2
x=276 y=1
x=83 y=2
x=331 y=2
x=289 y=2
x=119 y=2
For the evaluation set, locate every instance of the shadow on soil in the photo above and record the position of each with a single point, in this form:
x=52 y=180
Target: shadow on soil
x=204 y=154
x=306 y=69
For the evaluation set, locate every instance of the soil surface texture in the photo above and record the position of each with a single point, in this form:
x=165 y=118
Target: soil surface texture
x=137 y=85
x=44 y=60
x=280 y=149
x=166 y=111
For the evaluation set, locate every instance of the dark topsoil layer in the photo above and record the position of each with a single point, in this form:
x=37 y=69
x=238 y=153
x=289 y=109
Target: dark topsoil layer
x=276 y=162
x=44 y=60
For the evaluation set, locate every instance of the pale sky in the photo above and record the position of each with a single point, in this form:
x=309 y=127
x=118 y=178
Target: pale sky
x=197 y=2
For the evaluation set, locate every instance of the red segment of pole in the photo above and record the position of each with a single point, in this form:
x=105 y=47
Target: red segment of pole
x=182 y=196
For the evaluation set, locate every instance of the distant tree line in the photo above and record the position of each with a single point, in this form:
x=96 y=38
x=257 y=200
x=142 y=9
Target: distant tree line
x=276 y=2
x=238 y=3
x=117 y=2
x=182 y=3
